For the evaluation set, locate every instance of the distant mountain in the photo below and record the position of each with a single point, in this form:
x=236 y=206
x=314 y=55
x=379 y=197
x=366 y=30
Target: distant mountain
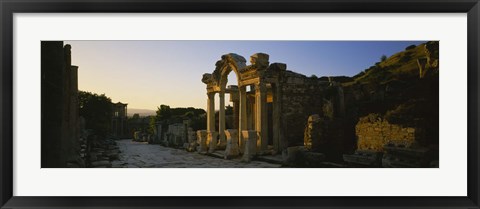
x=141 y=112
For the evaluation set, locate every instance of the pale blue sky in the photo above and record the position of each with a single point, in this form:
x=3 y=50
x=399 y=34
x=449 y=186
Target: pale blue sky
x=145 y=74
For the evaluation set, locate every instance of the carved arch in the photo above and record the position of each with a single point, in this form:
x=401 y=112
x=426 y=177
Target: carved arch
x=228 y=63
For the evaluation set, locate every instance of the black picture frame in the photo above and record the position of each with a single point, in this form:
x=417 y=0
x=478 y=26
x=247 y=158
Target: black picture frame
x=10 y=7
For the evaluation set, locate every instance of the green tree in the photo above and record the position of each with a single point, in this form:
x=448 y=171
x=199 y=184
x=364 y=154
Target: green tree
x=152 y=126
x=163 y=113
x=383 y=58
x=135 y=116
x=97 y=111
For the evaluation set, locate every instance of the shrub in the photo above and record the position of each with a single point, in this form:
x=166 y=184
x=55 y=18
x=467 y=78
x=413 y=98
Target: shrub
x=97 y=111
x=383 y=58
x=410 y=47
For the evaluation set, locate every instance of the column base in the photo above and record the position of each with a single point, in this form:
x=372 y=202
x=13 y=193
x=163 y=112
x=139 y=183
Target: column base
x=212 y=141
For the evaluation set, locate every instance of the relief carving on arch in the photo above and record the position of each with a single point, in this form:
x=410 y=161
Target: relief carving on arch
x=228 y=62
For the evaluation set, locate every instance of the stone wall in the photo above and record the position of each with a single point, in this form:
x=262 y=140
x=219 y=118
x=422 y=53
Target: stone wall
x=327 y=136
x=176 y=135
x=373 y=133
x=301 y=97
x=60 y=144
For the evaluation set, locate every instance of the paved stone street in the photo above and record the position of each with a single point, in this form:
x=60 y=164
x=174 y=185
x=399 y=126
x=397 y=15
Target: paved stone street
x=144 y=155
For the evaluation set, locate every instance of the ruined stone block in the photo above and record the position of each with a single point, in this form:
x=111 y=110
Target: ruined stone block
x=232 y=149
x=212 y=140
x=250 y=139
x=202 y=141
x=260 y=60
x=298 y=156
x=400 y=156
x=364 y=158
x=192 y=141
x=292 y=153
x=373 y=133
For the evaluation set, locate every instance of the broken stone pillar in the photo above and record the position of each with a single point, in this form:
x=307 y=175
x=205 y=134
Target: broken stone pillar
x=250 y=139
x=192 y=141
x=212 y=141
x=232 y=149
x=313 y=137
x=260 y=60
x=202 y=141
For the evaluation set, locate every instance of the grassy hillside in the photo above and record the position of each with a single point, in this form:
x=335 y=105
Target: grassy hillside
x=400 y=66
x=393 y=89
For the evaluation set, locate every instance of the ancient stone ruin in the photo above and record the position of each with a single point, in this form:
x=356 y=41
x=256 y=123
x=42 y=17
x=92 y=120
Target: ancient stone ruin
x=386 y=120
x=61 y=135
x=65 y=141
x=322 y=122
x=271 y=105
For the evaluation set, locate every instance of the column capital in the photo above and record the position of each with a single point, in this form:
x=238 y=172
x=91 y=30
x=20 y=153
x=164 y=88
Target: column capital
x=211 y=95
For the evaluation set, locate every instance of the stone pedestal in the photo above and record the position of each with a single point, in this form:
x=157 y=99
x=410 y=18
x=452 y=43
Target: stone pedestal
x=202 y=141
x=232 y=149
x=192 y=141
x=250 y=139
x=212 y=141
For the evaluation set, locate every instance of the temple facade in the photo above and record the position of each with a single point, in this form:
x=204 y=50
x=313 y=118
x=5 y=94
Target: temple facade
x=271 y=105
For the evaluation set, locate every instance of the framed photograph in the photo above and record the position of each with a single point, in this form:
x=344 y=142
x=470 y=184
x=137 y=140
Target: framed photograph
x=235 y=104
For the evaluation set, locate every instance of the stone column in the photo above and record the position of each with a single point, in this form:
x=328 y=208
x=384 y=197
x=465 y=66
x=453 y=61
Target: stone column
x=250 y=138
x=261 y=116
x=202 y=141
x=232 y=143
x=221 y=120
x=242 y=122
x=211 y=112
